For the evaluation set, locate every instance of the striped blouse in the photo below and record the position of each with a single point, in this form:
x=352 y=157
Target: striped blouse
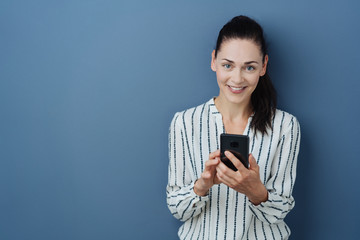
x=225 y=213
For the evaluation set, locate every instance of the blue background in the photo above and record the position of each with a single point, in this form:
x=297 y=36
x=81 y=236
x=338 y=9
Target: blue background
x=88 y=90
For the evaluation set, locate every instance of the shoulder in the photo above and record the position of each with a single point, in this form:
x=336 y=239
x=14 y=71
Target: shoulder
x=188 y=116
x=285 y=122
x=284 y=116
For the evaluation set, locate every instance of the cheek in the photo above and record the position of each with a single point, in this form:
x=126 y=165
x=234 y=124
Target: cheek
x=253 y=80
x=221 y=76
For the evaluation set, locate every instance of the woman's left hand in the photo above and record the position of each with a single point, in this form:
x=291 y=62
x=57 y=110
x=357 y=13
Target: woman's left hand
x=246 y=181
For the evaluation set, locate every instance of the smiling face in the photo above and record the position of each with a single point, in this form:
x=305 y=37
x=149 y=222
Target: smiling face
x=238 y=65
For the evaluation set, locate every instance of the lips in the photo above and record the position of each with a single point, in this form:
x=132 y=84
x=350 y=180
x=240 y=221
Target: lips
x=236 y=89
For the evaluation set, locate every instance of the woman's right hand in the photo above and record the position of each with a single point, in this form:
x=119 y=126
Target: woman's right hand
x=208 y=176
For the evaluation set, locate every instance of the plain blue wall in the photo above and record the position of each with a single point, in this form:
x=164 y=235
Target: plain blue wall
x=88 y=89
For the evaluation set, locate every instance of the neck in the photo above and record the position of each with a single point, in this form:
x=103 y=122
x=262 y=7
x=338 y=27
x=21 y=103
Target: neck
x=233 y=111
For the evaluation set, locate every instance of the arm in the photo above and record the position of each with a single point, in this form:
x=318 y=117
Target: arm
x=281 y=182
x=270 y=202
x=182 y=201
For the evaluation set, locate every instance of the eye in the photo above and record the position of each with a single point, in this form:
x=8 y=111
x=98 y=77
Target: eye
x=250 y=68
x=227 y=66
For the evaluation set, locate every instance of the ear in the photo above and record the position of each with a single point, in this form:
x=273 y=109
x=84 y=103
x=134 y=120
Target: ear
x=263 y=70
x=213 y=59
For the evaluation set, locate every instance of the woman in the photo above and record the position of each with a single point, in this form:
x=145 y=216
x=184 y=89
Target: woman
x=212 y=200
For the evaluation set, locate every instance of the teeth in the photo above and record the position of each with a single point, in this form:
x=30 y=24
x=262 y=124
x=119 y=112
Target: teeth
x=237 y=89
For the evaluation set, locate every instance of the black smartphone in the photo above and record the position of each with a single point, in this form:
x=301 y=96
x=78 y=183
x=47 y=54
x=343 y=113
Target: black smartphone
x=237 y=145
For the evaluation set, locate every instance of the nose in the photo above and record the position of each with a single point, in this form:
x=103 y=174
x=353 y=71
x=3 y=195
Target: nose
x=238 y=76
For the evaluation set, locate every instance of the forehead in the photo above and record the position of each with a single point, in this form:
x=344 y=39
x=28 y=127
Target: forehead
x=241 y=50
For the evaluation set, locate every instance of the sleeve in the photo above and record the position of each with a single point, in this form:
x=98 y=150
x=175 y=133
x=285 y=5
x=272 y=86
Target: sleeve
x=182 y=201
x=283 y=174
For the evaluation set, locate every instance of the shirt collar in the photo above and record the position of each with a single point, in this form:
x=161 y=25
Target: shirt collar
x=215 y=111
x=212 y=107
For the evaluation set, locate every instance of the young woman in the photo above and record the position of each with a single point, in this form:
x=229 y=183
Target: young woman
x=212 y=200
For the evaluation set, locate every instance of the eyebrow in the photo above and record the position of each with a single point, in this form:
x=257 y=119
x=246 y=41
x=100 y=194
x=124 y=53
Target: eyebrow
x=250 y=62
x=228 y=60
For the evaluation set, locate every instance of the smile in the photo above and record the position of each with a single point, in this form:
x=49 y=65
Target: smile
x=236 y=89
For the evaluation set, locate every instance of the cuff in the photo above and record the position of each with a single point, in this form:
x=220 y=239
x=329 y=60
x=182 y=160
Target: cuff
x=199 y=201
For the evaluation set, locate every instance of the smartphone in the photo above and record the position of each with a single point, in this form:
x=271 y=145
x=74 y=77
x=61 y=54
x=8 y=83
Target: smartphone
x=237 y=145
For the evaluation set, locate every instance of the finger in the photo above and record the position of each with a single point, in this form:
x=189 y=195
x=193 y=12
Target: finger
x=253 y=163
x=217 y=180
x=211 y=163
x=214 y=154
x=224 y=169
x=237 y=163
x=225 y=175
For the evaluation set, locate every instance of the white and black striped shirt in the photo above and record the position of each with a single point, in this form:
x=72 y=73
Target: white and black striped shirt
x=225 y=213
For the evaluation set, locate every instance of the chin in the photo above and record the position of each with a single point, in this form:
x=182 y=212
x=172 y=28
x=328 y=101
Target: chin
x=237 y=100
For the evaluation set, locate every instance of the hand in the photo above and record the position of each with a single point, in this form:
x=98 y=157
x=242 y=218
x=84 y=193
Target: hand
x=208 y=176
x=246 y=181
